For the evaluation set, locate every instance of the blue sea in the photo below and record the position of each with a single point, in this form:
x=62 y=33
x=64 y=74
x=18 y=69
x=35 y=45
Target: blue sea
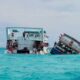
x=39 y=67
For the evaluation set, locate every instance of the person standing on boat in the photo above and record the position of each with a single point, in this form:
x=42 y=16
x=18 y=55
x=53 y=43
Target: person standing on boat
x=10 y=46
x=24 y=35
x=15 y=46
x=45 y=43
x=11 y=36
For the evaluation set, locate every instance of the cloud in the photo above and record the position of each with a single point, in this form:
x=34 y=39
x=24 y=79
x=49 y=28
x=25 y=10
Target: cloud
x=56 y=16
x=62 y=5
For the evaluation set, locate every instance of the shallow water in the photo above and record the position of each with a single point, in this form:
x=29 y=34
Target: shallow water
x=39 y=67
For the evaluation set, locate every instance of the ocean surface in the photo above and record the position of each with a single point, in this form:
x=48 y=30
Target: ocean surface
x=39 y=67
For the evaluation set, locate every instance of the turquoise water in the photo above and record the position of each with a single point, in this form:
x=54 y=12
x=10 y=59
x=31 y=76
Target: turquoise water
x=39 y=67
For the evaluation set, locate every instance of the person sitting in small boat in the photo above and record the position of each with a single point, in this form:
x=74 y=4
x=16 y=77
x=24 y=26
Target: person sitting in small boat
x=40 y=51
x=25 y=50
x=34 y=50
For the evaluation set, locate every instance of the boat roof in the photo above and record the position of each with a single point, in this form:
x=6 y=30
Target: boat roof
x=26 y=29
x=9 y=30
x=72 y=38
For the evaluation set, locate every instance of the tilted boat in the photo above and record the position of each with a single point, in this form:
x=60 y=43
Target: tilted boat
x=66 y=45
x=26 y=40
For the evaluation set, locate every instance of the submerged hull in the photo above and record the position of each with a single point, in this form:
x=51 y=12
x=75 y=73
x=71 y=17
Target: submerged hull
x=56 y=51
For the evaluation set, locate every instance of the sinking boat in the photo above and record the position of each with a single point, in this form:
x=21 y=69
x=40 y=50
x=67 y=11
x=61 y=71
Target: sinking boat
x=27 y=40
x=66 y=45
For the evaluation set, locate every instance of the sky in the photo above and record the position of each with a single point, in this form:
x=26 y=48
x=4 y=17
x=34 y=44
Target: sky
x=55 y=16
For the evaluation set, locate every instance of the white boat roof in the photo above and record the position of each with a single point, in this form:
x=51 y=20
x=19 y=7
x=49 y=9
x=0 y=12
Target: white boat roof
x=9 y=30
x=72 y=38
